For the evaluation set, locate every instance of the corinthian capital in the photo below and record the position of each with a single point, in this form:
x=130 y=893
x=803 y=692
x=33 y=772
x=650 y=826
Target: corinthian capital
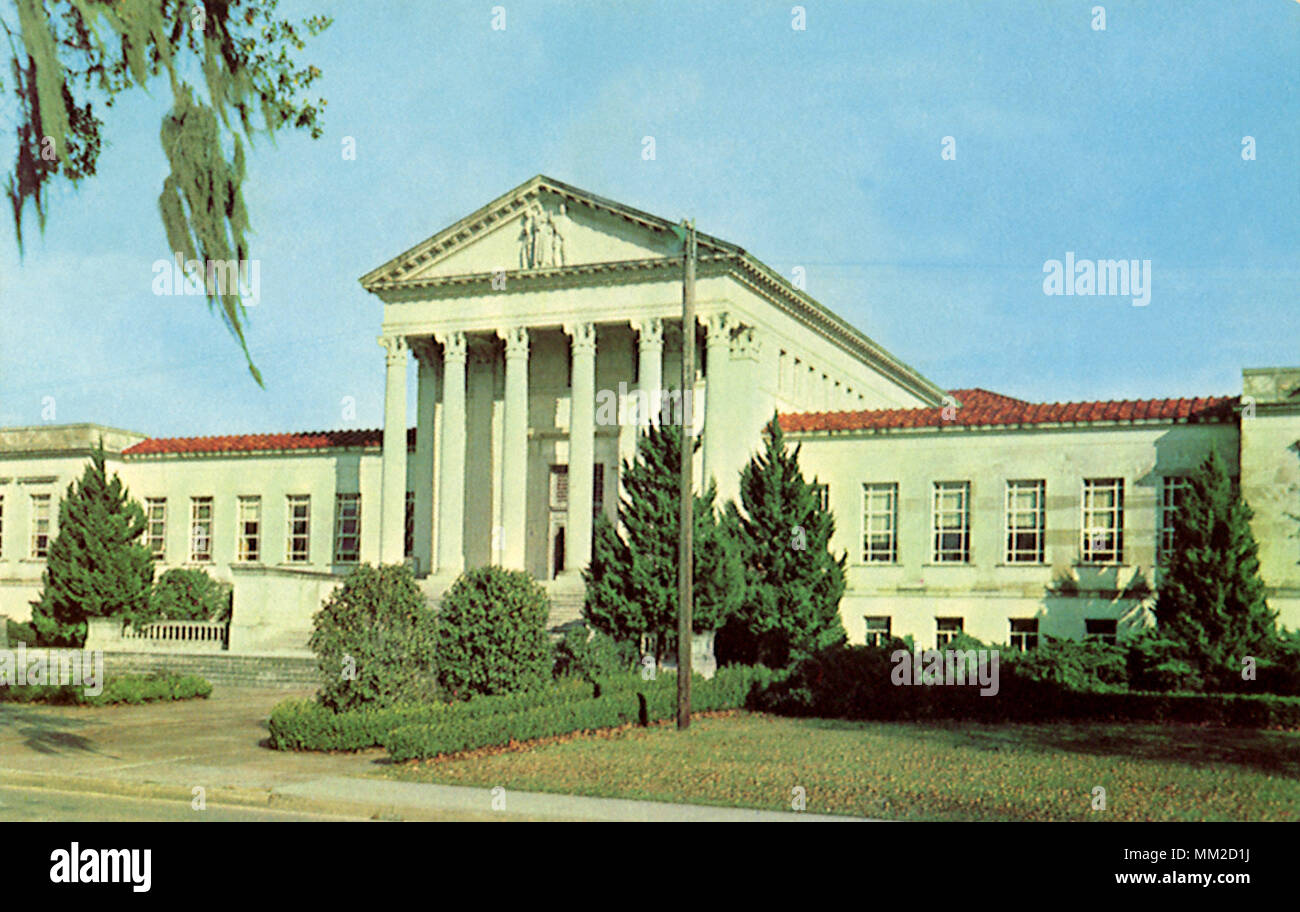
x=453 y=344
x=718 y=326
x=395 y=348
x=650 y=332
x=583 y=336
x=516 y=338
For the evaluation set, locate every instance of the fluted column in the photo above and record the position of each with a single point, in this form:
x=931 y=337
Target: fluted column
x=426 y=398
x=582 y=446
x=650 y=370
x=514 y=449
x=718 y=343
x=451 y=458
x=392 y=492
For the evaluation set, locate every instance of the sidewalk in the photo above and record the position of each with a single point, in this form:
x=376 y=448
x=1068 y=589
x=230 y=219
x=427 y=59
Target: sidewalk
x=165 y=750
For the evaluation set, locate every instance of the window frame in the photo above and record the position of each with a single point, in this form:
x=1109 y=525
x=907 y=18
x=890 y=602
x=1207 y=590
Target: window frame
x=352 y=498
x=244 y=554
x=1023 y=640
x=198 y=555
x=1172 y=489
x=1014 y=554
x=155 y=527
x=1111 y=637
x=869 y=512
x=939 y=553
x=877 y=636
x=293 y=534
x=1089 y=553
x=945 y=635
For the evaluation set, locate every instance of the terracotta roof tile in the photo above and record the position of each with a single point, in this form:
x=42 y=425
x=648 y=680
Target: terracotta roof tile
x=244 y=443
x=981 y=408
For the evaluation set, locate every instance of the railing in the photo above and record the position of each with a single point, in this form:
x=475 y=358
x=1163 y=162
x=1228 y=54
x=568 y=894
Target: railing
x=196 y=634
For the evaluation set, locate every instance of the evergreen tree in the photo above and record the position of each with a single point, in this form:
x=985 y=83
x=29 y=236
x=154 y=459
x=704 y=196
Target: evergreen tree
x=632 y=577
x=793 y=583
x=1211 y=599
x=96 y=565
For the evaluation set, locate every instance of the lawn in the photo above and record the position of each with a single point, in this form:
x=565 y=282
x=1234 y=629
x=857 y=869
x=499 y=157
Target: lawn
x=913 y=771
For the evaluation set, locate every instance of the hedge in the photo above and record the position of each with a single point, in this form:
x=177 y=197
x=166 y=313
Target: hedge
x=131 y=689
x=307 y=725
x=643 y=701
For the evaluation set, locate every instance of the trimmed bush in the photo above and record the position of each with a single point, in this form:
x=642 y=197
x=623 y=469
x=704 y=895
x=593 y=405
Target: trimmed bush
x=590 y=654
x=374 y=641
x=655 y=701
x=490 y=634
x=159 y=686
x=21 y=632
x=188 y=595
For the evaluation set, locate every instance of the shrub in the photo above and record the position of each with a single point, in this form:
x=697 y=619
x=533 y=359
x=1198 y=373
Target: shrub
x=1088 y=665
x=490 y=633
x=590 y=654
x=374 y=641
x=1158 y=663
x=21 y=632
x=132 y=689
x=188 y=595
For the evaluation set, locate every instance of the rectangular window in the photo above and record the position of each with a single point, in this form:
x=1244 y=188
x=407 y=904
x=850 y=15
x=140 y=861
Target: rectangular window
x=880 y=523
x=347 y=528
x=250 y=529
x=297 y=549
x=40 y=525
x=1103 y=629
x=951 y=522
x=822 y=496
x=1024 y=634
x=1026 y=521
x=408 y=526
x=200 y=530
x=1103 y=521
x=559 y=487
x=946 y=630
x=155 y=532
x=878 y=630
x=1172 y=491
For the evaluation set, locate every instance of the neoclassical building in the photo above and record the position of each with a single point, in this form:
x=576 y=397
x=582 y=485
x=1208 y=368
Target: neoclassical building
x=544 y=326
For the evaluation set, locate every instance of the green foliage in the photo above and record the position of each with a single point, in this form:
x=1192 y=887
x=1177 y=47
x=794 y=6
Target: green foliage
x=793 y=584
x=632 y=578
x=590 y=654
x=1158 y=663
x=21 y=632
x=97 y=565
x=182 y=594
x=374 y=641
x=132 y=689
x=1075 y=665
x=491 y=635
x=1211 y=597
x=648 y=702
x=68 y=49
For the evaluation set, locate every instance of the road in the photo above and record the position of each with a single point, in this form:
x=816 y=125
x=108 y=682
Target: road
x=29 y=805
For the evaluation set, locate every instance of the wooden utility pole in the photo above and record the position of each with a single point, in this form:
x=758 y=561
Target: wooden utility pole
x=686 y=543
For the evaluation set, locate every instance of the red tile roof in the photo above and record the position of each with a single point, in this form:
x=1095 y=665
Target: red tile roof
x=242 y=443
x=980 y=408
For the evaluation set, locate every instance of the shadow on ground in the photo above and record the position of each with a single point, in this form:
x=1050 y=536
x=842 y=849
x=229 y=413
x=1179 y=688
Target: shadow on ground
x=46 y=732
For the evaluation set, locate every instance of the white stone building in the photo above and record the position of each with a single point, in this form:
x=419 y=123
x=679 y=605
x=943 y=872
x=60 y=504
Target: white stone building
x=535 y=326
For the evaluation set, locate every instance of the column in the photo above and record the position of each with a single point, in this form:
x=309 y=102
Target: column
x=514 y=449
x=718 y=344
x=451 y=462
x=650 y=367
x=582 y=446
x=426 y=397
x=392 y=509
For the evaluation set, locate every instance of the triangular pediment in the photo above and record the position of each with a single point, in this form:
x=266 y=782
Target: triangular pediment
x=542 y=224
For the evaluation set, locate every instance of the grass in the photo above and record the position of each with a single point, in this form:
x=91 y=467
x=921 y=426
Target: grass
x=913 y=771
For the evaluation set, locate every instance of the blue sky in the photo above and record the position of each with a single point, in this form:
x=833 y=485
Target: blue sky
x=816 y=148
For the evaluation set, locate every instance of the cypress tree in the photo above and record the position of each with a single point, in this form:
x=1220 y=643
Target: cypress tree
x=793 y=583
x=632 y=577
x=97 y=565
x=1211 y=598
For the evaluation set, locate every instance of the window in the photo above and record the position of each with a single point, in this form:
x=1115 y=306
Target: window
x=200 y=530
x=408 y=526
x=878 y=630
x=951 y=522
x=1103 y=520
x=880 y=523
x=347 y=528
x=40 y=525
x=297 y=549
x=1024 y=634
x=947 y=631
x=155 y=531
x=1026 y=521
x=559 y=487
x=1172 y=491
x=250 y=529
x=822 y=496
x=1103 y=629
